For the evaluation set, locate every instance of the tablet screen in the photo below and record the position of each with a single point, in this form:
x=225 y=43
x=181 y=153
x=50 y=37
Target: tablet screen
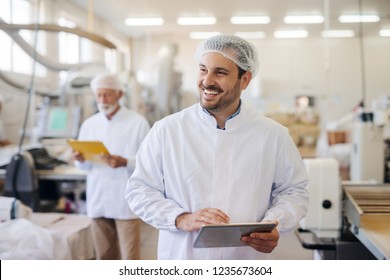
x=228 y=235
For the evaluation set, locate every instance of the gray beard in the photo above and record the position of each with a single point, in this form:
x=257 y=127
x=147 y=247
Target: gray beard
x=106 y=109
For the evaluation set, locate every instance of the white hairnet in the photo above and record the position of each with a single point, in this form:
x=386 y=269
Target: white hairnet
x=234 y=48
x=106 y=81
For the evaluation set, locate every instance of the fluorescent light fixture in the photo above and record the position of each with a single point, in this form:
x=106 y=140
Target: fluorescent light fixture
x=196 y=20
x=384 y=32
x=251 y=35
x=281 y=34
x=202 y=35
x=304 y=19
x=144 y=21
x=250 y=20
x=358 y=18
x=337 y=33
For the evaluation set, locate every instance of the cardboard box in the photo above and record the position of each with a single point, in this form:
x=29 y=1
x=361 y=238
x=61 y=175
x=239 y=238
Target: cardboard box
x=337 y=136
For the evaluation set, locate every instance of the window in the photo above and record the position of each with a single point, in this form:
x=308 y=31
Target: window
x=13 y=58
x=68 y=44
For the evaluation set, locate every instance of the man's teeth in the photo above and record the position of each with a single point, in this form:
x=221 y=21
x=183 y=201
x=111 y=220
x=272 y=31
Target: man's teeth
x=211 y=92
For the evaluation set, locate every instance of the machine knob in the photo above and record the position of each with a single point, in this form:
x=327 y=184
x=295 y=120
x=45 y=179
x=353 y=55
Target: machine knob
x=326 y=204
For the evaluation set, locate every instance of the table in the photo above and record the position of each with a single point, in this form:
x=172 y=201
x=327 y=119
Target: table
x=62 y=172
x=65 y=172
x=367 y=208
x=42 y=236
x=76 y=228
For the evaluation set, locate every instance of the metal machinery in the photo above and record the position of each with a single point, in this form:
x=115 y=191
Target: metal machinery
x=367 y=158
x=367 y=208
x=344 y=221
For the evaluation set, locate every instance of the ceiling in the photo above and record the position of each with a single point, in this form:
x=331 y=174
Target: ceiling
x=115 y=12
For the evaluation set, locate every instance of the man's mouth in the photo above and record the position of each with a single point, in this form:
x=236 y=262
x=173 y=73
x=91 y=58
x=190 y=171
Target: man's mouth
x=211 y=92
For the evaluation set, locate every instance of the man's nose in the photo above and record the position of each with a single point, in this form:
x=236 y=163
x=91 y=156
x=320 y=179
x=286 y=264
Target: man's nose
x=208 y=80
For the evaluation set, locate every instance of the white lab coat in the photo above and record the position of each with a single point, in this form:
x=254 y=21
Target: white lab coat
x=122 y=135
x=252 y=171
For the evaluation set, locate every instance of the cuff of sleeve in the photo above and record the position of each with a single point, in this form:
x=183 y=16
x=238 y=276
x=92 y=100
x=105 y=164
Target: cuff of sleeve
x=86 y=165
x=172 y=219
x=130 y=163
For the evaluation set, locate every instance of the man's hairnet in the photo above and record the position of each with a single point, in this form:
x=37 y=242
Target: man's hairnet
x=106 y=81
x=234 y=48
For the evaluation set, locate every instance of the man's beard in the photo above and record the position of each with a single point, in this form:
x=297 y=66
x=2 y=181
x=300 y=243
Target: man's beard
x=223 y=102
x=106 y=109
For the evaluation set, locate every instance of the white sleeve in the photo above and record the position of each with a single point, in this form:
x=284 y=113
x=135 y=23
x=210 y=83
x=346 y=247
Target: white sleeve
x=145 y=191
x=289 y=197
x=86 y=165
x=143 y=130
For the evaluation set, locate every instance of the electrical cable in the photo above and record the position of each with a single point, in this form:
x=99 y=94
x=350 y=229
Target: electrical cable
x=362 y=56
x=32 y=80
x=18 y=157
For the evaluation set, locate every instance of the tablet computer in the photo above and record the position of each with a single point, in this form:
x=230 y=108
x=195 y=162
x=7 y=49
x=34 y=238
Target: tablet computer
x=229 y=235
x=90 y=149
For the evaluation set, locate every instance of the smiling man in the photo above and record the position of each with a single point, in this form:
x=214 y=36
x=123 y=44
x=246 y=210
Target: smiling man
x=218 y=162
x=220 y=84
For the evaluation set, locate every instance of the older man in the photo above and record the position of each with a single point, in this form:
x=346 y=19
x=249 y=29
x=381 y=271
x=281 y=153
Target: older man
x=122 y=131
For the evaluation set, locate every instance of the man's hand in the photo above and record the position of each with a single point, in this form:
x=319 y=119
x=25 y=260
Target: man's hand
x=194 y=221
x=114 y=161
x=264 y=242
x=78 y=156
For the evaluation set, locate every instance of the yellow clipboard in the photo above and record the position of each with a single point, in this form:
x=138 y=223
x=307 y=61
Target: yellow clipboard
x=92 y=150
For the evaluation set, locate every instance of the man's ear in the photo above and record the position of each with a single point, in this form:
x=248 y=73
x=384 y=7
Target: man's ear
x=245 y=79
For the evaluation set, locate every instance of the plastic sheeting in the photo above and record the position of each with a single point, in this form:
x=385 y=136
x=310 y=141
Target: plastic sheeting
x=20 y=239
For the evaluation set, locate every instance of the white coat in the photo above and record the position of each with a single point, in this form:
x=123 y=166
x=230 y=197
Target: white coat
x=122 y=135
x=252 y=171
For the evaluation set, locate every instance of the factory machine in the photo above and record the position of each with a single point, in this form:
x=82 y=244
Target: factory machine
x=345 y=220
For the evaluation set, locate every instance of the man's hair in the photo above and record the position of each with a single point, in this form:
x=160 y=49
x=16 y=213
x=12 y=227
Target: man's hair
x=240 y=72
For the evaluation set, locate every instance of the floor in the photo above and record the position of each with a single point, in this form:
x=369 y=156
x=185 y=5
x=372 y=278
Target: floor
x=289 y=247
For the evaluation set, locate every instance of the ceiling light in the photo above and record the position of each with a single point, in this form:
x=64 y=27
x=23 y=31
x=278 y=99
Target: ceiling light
x=250 y=35
x=196 y=20
x=250 y=20
x=358 y=18
x=337 y=33
x=304 y=19
x=384 y=32
x=291 y=34
x=144 y=21
x=203 y=35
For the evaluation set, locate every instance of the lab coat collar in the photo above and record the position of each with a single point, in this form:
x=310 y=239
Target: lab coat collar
x=231 y=122
x=117 y=115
